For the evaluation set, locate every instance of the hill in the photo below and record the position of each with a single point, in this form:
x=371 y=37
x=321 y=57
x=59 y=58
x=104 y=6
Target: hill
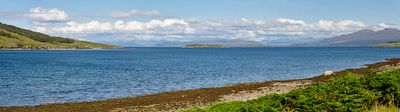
x=363 y=38
x=12 y=37
x=232 y=43
x=225 y=43
x=204 y=46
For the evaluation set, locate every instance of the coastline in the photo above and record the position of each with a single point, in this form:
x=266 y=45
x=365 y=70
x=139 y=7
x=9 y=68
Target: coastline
x=170 y=101
x=56 y=49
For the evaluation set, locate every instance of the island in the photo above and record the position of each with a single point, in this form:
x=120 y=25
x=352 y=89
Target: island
x=14 y=38
x=205 y=46
x=389 y=44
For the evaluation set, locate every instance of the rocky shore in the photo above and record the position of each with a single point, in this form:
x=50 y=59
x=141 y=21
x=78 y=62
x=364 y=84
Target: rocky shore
x=173 y=101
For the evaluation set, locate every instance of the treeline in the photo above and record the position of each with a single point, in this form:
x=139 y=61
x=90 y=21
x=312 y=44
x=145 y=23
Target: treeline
x=5 y=34
x=349 y=93
x=34 y=35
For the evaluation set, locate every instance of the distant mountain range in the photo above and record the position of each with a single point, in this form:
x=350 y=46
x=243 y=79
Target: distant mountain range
x=230 y=43
x=12 y=37
x=362 y=38
x=224 y=42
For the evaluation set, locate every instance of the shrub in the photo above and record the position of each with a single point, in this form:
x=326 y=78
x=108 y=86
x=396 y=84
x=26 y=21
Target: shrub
x=351 y=92
x=386 y=85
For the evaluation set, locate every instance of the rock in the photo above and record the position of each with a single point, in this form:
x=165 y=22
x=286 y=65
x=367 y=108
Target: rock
x=327 y=73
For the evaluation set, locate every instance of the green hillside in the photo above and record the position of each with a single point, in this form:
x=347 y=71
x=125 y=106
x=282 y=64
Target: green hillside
x=12 y=37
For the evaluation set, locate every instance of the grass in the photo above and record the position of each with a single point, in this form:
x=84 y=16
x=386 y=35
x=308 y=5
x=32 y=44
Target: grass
x=12 y=40
x=351 y=92
x=89 y=44
x=382 y=108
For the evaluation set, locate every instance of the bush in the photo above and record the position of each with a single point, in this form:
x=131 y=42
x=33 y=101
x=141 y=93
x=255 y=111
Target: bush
x=351 y=92
x=342 y=94
x=386 y=85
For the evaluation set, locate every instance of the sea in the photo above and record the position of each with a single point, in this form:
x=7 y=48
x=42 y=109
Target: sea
x=33 y=77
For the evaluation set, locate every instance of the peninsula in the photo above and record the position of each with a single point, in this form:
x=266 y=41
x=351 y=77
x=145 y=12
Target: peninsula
x=12 y=37
x=390 y=44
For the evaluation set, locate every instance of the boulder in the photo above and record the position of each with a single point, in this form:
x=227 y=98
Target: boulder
x=328 y=72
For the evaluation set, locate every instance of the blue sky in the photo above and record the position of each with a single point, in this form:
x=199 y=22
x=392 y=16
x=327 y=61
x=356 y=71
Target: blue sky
x=265 y=20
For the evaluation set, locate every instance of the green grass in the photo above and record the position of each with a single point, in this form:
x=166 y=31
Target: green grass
x=382 y=108
x=351 y=92
x=12 y=37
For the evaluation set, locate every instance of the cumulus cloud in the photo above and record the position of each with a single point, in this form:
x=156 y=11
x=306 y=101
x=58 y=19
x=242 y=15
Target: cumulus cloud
x=136 y=25
x=134 y=13
x=291 y=21
x=341 y=26
x=382 y=26
x=43 y=16
x=185 y=30
x=166 y=26
x=90 y=27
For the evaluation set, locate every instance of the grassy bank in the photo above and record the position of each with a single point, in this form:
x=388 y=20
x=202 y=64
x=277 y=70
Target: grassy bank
x=350 y=92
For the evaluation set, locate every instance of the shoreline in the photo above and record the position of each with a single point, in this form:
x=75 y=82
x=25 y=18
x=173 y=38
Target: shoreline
x=55 y=49
x=176 y=100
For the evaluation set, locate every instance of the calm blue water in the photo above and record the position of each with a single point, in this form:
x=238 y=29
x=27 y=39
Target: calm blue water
x=37 y=77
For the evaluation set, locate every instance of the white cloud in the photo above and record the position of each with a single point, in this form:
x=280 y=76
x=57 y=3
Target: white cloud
x=341 y=26
x=166 y=26
x=136 y=25
x=382 y=26
x=43 y=16
x=133 y=13
x=323 y=25
x=184 y=30
x=291 y=21
x=90 y=27
x=349 y=24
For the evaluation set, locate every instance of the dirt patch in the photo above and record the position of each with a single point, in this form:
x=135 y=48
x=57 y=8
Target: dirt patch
x=275 y=88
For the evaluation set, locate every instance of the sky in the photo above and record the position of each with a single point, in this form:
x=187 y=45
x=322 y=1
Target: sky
x=150 y=22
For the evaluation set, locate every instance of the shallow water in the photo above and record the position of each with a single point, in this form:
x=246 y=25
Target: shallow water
x=37 y=77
